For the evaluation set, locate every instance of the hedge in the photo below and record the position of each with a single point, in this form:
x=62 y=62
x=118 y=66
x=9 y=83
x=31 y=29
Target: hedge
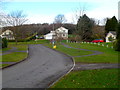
x=4 y=43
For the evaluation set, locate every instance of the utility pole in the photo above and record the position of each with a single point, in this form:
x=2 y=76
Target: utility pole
x=53 y=35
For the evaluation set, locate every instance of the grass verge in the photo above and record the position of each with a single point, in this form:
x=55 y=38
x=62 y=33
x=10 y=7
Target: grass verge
x=14 y=57
x=3 y=65
x=108 y=56
x=101 y=78
x=69 y=51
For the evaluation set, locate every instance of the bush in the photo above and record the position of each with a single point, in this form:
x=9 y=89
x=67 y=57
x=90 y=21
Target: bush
x=116 y=45
x=4 y=43
x=0 y=43
x=19 y=40
x=25 y=39
x=11 y=40
x=31 y=37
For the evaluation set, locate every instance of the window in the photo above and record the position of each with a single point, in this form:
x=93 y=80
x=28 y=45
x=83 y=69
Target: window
x=63 y=35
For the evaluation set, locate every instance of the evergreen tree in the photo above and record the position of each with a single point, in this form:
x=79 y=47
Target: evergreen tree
x=118 y=38
x=84 y=27
x=111 y=24
x=118 y=30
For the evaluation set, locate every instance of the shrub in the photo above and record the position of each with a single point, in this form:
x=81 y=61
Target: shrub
x=4 y=43
x=110 y=38
x=116 y=45
x=31 y=37
x=0 y=42
x=11 y=40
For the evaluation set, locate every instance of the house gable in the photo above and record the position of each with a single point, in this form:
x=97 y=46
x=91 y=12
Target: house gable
x=110 y=34
x=8 y=34
x=58 y=33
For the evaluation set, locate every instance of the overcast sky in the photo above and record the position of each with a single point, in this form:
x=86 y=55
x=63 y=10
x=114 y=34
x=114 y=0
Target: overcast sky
x=44 y=11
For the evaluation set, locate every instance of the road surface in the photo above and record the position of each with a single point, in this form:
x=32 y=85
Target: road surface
x=42 y=67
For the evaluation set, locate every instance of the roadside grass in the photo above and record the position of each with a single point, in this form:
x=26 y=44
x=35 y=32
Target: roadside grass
x=14 y=57
x=40 y=41
x=18 y=56
x=20 y=47
x=69 y=51
x=108 y=56
x=108 y=43
x=5 y=49
x=101 y=78
x=3 y=65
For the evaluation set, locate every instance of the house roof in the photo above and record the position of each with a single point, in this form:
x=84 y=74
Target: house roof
x=6 y=31
x=113 y=32
x=61 y=28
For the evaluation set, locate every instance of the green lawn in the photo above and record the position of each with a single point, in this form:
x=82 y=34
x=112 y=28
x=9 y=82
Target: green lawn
x=14 y=57
x=108 y=56
x=18 y=56
x=69 y=51
x=20 y=47
x=101 y=78
x=42 y=41
x=4 y=49
x=3 y=65
x=104 y=78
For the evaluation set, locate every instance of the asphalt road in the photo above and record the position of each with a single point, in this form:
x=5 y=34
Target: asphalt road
x=42 y=67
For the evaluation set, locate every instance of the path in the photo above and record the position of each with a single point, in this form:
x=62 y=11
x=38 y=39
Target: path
x=13 y=49
x=94 y=52
x=90 y=66
x=42 y=67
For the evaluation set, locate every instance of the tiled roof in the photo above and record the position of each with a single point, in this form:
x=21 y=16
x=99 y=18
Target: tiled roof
x=113 y=32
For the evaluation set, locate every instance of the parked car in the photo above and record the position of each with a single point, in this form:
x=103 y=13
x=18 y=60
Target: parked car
x=98 y=40
x=41 y=37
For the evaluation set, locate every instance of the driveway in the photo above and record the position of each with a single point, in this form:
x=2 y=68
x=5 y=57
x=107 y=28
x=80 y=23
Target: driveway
x=42 y=67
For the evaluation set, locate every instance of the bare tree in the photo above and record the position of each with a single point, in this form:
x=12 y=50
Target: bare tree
x=78 y=12
x=60 y=18
x=105 y=20
x=2 y=22
x=15 y=19
x=2 y=14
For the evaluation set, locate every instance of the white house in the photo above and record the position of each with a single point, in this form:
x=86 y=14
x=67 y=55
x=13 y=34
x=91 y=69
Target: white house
x=111 y=34
x=50 y=35
x=8 y=34
x=58 y=33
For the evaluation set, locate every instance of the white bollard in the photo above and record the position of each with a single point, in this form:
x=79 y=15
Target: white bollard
x=107 y=45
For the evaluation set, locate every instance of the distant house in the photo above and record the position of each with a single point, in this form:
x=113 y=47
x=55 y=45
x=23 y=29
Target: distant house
x=50 y=35
x=111 y=35
x=58 y=33
x=8 y=34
